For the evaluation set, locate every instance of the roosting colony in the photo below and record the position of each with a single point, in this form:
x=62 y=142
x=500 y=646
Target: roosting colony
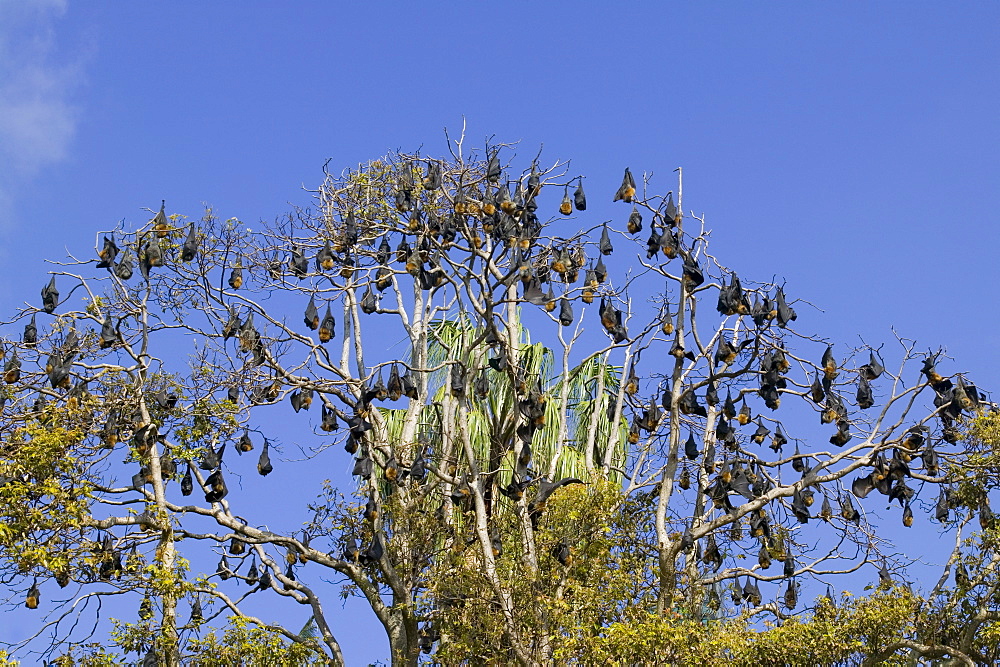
x=680 y=428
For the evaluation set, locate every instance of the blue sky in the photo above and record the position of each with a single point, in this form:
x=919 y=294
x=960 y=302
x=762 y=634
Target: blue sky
x=849 y=148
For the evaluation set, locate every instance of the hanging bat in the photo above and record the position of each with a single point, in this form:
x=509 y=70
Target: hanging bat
x=929 y=368
x=764 y=557
x=728 y=407
x=816 y=391
x=566 y=206
x=369 y=304
x=799 y=463
x=785 y=313
x=627 y=189
x=432 y=179
x=350 y=553
x=725 y=353
x=829 y=364
x=635 y=221
x=264 y=466
x=758 y=312
x=688 y=404
x=604 y=245
x=190 y=248
x=943 y=506
x=124 y=268
x=692 y=274
x=31 y=600
x=711 y=394
x=884 y=576
x=565 y=312
x=363 y=466
x=751 y=593
x=843 y=434
x=50 y=297
x=579 y=198
x=770 y=395
x=862 y=486
x=325 y=257
x=249 y=337
x=826 y=511
x=391 y=469
x=159 y=221
x=107 y=253
x=312 y=314
x=550 y=300
x=864 y=396
x=297 y=263
x=653 y=242
x=458 y=382
x=244 y=444
x=744 y=416
x=684 y=481
x=673 y=214
x=327 y=328
x=779 y=440
x=791 y=597
x=418 y=469
x=562 y=553
x=236 y=277
x=216 y=486
x=799 y=508
x=371 y=510
x=760 y=434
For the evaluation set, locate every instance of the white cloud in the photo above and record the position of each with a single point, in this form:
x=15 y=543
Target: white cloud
x=37 y=84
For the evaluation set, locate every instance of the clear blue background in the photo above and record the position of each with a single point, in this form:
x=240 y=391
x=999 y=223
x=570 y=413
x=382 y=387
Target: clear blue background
x=850 y=148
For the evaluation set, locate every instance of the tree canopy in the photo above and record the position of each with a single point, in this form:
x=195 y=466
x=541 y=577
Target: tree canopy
x=574 y=437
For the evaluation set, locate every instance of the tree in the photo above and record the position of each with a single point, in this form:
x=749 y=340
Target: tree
x=515 y=500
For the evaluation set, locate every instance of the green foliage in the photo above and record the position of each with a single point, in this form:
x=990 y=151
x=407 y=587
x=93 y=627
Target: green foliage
x=832 y=635
x=46 y=495
x=601 y=607
x=239 y=643
x=252 y=646
x=606 y=577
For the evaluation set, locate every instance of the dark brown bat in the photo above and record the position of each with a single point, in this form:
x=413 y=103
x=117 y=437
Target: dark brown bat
x=297 y=263
x=216 y=487
x=760 y=434
x=692 y=274
x=566 y=206
x=107 y=253
x=829 y=364
x=873 y=369
x=159 y=221
x=369 y=304
x=264 y=466
x=626 y=191
x=190 y=248
x=634 y=221
x=864 y=396
x=579 y=198
x=785 y=313
x=124 y=268
x=565 y=312
x=32 y=598
x=50 y=297
x=312 y=314
x=432 y=179
x=843 y=434
x=327 y=327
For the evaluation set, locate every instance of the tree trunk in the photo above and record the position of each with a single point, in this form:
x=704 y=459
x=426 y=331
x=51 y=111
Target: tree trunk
x=403 y=641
